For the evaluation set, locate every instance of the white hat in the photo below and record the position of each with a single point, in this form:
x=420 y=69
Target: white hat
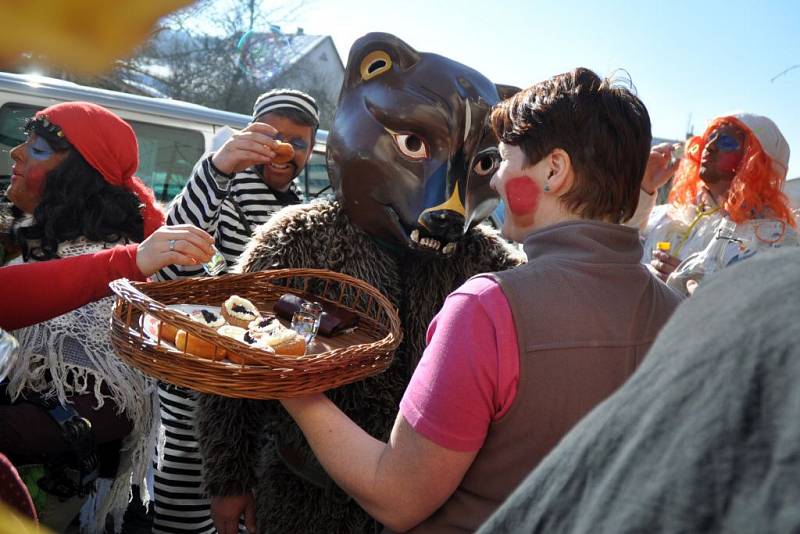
x=770 y=137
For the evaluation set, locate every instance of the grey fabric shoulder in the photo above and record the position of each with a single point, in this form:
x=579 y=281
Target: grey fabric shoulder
x=704 y=437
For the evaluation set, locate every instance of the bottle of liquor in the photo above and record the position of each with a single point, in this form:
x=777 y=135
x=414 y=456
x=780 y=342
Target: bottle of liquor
x=700 y=265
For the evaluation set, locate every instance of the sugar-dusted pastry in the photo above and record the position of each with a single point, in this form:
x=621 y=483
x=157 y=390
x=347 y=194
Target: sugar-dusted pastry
x=284 y=341
x=243 y=335
x=238 y=311
x=264 y=325
x=207 y=317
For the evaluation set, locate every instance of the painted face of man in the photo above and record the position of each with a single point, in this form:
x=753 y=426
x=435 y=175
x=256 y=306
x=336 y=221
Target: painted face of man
x=280 y=176
x=32 y=160
x=722 y=154
x=517 y=185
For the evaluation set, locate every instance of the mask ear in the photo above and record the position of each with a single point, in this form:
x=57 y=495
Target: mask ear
x=377 y=54
x=506 y=91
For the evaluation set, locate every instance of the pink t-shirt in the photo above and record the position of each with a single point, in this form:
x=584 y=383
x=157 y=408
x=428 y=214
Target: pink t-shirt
x=467 y=377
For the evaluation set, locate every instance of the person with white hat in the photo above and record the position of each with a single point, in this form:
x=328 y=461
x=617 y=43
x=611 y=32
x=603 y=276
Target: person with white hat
x=232 y=191
x=734 y=173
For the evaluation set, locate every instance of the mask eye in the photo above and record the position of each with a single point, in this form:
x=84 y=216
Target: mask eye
x=486 y=165
x=374 y=64
x=410 y=145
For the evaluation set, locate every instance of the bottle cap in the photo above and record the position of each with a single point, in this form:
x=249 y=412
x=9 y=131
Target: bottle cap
x=664 y=245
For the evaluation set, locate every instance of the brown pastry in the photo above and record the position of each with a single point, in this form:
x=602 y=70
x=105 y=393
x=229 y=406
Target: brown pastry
x=197 y=347
x=167 y=331
x=238 y=311
x=284 y=153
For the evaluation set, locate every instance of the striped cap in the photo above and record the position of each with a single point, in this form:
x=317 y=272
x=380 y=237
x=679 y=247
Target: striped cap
x=286 y=99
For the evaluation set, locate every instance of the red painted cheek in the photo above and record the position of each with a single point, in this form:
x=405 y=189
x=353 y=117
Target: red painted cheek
x=34 y=181
x=522 y=195
x=728 y=161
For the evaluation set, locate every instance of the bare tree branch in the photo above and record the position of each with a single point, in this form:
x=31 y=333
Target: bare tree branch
x=783 y=72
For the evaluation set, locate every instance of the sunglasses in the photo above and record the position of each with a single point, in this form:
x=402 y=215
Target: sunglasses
x=725 y=142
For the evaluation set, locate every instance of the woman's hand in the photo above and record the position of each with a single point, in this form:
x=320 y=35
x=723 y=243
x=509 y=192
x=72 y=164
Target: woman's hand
x=182 y=244
x=664 y=264
x=660 y=167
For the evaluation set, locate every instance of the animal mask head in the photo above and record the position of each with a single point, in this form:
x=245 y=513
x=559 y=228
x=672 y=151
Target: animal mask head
x=410 y=153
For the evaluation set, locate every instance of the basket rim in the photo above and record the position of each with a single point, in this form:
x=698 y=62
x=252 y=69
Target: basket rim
x=135 y=295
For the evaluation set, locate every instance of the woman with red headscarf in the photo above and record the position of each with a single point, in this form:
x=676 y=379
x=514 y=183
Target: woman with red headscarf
x=733 y=172
x=69 y=402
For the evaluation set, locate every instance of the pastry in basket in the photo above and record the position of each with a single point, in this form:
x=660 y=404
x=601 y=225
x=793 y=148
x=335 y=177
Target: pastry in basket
x=208 y=318
x=283 y=341
x=238 y=311
x=167 y=331
x=243 y=335
x=269 y=332
x=264 y=325
x=197 y=347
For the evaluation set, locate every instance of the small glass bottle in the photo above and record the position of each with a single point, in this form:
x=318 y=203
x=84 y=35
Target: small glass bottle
x=700 y=265
x=305 y=321
x=216 y=264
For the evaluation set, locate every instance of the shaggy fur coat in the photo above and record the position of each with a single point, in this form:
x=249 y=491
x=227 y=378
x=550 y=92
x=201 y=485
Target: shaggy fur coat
x=256 y=445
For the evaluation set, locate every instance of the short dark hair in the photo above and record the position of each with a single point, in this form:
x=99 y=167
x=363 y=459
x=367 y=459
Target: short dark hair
x=600 y=123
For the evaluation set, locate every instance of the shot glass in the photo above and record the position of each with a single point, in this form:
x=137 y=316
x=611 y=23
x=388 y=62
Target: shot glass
x=305 y=321
x=216 y=264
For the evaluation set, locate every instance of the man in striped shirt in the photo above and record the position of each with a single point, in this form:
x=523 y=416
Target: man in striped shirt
x=231 y=192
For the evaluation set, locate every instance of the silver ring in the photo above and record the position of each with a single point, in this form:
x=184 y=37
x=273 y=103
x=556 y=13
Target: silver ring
x=171 y=245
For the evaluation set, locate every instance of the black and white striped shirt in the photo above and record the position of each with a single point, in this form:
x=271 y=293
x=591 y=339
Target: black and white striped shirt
x=210 y=200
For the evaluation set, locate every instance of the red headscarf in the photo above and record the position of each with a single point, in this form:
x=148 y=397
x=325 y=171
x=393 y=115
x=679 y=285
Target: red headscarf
x=109 y=145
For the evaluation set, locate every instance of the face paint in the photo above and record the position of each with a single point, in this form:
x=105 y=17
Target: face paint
x=39 y=149
x=522 y=195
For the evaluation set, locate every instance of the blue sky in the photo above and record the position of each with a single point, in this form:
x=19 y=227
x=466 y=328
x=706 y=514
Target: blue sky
x=689 y=61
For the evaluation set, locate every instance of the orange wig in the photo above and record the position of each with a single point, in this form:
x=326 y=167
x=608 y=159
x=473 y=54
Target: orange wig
x=756 y=188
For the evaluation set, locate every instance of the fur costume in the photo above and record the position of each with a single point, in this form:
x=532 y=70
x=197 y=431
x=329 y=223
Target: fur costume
x=232 y=431
x=410 y=156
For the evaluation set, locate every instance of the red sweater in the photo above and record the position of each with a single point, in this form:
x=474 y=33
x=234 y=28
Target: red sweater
x=34 y=292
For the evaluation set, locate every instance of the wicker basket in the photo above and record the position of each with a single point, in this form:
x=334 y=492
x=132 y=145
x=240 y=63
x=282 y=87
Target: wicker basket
x=330 y=362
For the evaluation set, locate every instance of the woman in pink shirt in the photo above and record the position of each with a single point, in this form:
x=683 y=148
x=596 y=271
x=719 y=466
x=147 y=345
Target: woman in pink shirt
x=573 y=151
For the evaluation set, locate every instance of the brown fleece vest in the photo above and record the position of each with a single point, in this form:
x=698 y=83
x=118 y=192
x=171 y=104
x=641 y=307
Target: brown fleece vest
x=585 y=312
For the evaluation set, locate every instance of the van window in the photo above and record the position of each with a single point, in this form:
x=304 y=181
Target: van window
x=314 y=180
x=166 y=157
x=166 y=154
x=13 y=118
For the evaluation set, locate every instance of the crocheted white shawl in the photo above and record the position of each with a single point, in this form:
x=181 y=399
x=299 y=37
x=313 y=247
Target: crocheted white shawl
x=70 y=348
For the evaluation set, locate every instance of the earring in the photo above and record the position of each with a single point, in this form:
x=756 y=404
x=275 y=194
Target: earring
x=546 y=188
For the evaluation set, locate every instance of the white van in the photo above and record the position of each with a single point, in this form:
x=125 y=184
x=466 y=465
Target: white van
x=172 y=135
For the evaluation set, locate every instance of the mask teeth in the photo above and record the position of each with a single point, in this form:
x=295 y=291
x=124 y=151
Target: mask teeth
x=449 y=248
